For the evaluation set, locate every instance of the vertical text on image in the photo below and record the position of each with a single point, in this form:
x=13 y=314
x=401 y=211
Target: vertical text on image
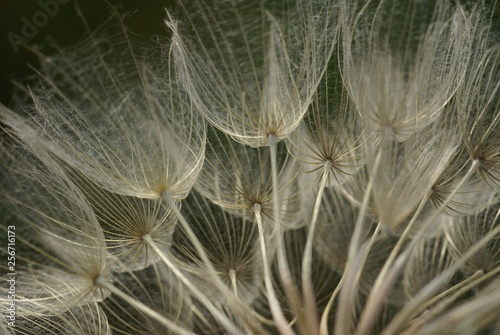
x=30 y=26
x=11 y=276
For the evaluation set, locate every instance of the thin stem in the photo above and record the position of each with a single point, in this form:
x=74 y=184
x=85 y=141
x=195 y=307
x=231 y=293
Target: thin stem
x=348 y=289
x=239 y=308
x=471 y=317
x=223 y=319
x=281 y=323
x=429 y=289
x=307 y=286
x=323 y=330
x=382 y=284
x=434 y=285
x=104 y=284
x=464 y=284
x=284 y=270
x=462 y=287
x=360 y=260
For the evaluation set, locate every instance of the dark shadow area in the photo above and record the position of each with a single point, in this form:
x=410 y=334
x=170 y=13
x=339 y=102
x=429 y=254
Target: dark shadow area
x=33 y=22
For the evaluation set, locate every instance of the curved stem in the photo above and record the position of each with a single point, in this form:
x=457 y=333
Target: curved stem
x=348 y=290
x=434 y=285
x=323 y=330
x=283 y=269
x=307 y=286
x=239 y=308
x=104 y=284
x=471 y=317
x=281 y=323
x=223 y=319
x=382 y=284
x=418 y=300
x=461 y=288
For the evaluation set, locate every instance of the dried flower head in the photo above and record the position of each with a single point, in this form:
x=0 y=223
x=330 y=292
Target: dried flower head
x=273 y=167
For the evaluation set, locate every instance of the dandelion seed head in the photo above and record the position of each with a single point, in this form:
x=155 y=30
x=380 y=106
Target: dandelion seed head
x=264 y=85
x=396 y=88
x=271 y=167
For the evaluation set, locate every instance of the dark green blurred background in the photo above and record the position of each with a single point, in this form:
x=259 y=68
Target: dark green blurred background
x=64 y=26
